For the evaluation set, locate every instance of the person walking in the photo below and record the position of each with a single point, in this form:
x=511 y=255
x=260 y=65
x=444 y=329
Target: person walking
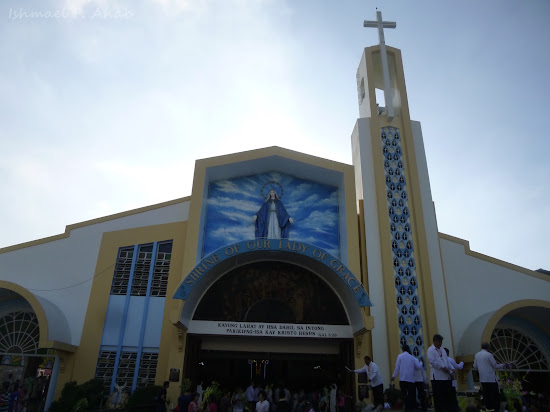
x=456 y=367
x=440 y=374
x=485 y=363
x=405 y=365
x=373 y=375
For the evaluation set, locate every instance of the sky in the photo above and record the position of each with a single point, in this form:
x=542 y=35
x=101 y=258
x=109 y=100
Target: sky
x=106 y=105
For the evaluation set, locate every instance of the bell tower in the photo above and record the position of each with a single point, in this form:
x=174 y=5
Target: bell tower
x=404 y=271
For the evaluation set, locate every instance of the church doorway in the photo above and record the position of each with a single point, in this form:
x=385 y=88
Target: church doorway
x=290 y=301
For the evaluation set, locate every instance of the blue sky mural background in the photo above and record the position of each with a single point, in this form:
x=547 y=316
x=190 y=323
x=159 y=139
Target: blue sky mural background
x=232 y=204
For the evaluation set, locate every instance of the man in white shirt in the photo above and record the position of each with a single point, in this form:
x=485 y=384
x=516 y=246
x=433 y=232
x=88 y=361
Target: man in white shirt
x=420 y=382
x=377 y=385
x=405 y=366
x=441 y=375
x=456 y=367
x=251 y=396
x=486 y=364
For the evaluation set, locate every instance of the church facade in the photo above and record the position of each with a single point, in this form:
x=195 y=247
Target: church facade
x=279 y=266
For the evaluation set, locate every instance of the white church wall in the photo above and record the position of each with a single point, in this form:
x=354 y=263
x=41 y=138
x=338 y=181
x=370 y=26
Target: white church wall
x=476 y=288
x=432 y=238
x=61 y=271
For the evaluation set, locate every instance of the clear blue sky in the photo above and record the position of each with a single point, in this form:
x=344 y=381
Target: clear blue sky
x=106 y=107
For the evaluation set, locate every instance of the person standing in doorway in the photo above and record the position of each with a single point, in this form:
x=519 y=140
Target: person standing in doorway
x=440 y=374
x=262 y=405
x=485 y=363
x=405 y=365
x=375 y=379
x=251 y=396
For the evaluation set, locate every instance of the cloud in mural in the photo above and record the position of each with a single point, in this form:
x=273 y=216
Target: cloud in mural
x=232 y=204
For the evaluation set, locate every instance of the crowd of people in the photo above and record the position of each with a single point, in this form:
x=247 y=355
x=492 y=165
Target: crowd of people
x=271 y=398
x=413 y=384
x=16 y=396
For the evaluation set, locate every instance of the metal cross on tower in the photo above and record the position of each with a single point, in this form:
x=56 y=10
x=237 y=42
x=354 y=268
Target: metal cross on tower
x=384 y=57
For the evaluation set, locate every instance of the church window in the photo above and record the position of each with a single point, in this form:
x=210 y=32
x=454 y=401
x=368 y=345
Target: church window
x=388 y=142
x=408 y=272
x=403 y=341
x=400 y=271
x=389 y=195
x=398 y=253
x=409 y=245
x=122 y=271
x=394 y=244
x=403 y=194
x=403 y=219
x=410 y=292
x=141 y=270
x=385 y=150
x=397 y=281
x=417 y=320
x=399 y=187
x=413 y=330
x=389 y=156
x=400 y=164
x=395 y=156
x=392 y=187
x=415 y=299
x=404 y=236
x=394 y=143
x=105 y=368
x=401 y=202
x=419 y=341
x=391 y=211
x=416 y=352
x=401 y=179
x=398 y=150
x=386 y=164
x=412 y=310
x=406 y=254
x=19 y=332
x=394 y=202
x=401 y=320
x=396 y=135
x=396 y=262
x=399 y=300
x=406 y=330
x=392 y=227
x=134 y=262
x=397 y=172
x=388 y=179
x=512 y=346
x=159 y=282
x=397 y=236
x=403 y=291
x=413 y=281
x=147 y=369
x=404 y=310
x=407 y=226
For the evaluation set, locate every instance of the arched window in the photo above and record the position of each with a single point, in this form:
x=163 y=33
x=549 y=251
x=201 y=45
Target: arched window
x=511 y=346
x=19 y=332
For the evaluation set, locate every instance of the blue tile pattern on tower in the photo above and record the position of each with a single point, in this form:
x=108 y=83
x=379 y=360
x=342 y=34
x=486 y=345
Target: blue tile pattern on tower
x=406 y=284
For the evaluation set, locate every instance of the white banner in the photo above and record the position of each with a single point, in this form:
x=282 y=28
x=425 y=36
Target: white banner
x=277 y=330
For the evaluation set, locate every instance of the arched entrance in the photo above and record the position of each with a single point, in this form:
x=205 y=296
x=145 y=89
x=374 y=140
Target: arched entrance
x=519 y=334
x=272 y=322
x=22 y=360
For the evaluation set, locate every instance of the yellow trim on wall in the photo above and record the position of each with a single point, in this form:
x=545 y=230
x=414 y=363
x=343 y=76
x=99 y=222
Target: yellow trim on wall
x=493 y=260
x=74 y=226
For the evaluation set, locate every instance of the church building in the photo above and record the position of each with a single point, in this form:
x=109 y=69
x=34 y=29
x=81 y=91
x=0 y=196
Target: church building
x=278 y=267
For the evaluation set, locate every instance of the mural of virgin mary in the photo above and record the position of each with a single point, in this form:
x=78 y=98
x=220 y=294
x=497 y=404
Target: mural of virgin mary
x=272 y=220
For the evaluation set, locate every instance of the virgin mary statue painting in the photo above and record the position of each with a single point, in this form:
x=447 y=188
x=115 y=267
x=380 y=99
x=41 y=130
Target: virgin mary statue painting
x=272 y=220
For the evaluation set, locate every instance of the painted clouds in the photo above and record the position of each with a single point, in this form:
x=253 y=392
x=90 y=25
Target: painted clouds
x=232 y=205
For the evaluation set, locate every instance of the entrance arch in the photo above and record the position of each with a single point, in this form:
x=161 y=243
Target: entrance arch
x=347 y=288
